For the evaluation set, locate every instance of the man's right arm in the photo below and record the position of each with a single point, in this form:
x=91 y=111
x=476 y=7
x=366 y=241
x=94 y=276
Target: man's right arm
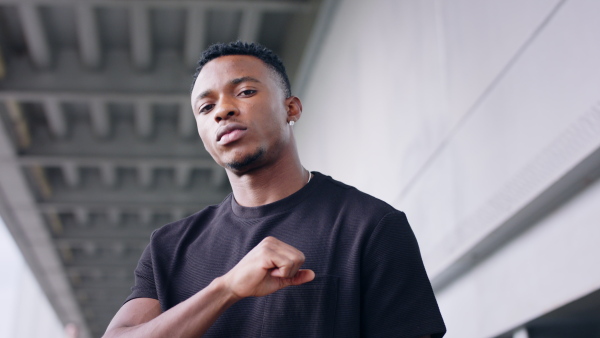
x=270 y=266
x=142 y=317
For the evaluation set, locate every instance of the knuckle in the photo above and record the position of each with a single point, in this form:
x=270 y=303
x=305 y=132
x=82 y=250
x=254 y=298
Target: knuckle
x=299 y=257
x=291 y=263
x=262 y=250
x=267 y=241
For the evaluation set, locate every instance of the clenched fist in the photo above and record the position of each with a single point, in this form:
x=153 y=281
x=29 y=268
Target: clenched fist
x=270 y=266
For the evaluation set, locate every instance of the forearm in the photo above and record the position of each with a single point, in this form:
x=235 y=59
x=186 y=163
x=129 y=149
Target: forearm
x=268 y=267
x=190 y=318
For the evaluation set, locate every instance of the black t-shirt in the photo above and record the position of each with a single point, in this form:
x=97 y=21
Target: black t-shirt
x=370 y=280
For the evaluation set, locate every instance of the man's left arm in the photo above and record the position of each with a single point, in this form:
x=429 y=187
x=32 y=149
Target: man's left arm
x=397 y=298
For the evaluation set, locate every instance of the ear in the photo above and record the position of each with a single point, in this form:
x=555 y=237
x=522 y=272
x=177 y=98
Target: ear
x=294 y=108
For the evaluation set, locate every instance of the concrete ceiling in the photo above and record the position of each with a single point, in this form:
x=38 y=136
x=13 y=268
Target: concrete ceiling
x=97 y=140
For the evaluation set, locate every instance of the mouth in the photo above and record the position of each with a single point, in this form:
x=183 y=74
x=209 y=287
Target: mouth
x=230 y=132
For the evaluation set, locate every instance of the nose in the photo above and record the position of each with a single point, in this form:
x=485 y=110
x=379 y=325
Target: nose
x=225 y=110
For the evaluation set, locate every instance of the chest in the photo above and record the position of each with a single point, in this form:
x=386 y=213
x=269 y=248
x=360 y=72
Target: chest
x=332 y=247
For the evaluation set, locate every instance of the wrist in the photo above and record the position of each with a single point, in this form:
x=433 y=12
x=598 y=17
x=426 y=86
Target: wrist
x=220 y=286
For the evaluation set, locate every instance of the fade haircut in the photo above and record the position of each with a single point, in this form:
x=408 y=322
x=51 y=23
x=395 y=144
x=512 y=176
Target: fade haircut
x=243 y=48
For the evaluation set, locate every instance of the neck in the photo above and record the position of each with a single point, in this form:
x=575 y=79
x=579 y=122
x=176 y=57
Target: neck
x=269 y=183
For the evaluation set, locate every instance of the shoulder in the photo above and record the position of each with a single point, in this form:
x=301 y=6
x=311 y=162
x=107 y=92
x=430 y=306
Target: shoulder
x=179 y=229
x=350 y=199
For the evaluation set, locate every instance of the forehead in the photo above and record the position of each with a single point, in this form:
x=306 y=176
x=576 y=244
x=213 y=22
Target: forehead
x=222 y=70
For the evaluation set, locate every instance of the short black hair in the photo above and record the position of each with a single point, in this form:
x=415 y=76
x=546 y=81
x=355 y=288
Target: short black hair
x=244 y=48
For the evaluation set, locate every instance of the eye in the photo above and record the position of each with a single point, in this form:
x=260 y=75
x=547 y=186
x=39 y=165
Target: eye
x=248 y=92
x=205 y=109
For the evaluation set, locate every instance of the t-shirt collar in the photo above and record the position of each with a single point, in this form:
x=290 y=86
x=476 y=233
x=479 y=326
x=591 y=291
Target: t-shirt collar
x=278 y=206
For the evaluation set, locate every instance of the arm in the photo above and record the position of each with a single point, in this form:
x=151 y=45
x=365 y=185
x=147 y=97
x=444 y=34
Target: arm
x=270 y=266
x=142 y=317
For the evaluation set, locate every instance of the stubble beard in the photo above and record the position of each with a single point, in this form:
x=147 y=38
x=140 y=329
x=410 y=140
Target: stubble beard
x=247 y=162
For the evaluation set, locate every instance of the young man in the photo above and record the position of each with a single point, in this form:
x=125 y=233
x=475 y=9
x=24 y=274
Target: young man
x=290 y=253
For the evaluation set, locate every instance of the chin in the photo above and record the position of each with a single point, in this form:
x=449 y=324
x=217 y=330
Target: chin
x=247 y=162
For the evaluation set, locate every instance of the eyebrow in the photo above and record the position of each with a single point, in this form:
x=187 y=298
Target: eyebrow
x=235 y=81
x=244 y=79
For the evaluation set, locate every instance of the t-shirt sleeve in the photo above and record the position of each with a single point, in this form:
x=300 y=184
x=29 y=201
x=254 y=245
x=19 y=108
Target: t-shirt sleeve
x=397 y=298
x=144 y=286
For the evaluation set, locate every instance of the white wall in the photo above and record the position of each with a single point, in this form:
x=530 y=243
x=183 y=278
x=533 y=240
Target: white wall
x=25 y=311
x=551 y=264
x=461 y=113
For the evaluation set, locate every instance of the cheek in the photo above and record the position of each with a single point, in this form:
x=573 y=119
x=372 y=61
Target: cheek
x=204 y=134
x=273 y=116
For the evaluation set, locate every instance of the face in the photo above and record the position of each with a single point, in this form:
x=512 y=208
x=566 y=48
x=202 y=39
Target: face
x=241 y=112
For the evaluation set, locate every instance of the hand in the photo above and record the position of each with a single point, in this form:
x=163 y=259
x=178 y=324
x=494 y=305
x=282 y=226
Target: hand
x=270 y=266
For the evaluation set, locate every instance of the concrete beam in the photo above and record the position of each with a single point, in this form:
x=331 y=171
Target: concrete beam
x=104 y=262
x=103 y=243
x=108 y=173
x=20 y=125
x=195 y=39
x=55 y=116
x=178 y=213
x=109 y=284
x=100 y=118
x=146 y=215
x=90 y=249
x=87 y=34
x=80 y=279
x=141 y=38
x=125 y=232
x=2 y=65
x=144 y=121
x=82 y=216
x=35 y=36
x=74 y=96
x=71 y=174
x=87 y=161
x=250 y=25
x=183 y=172
x=186 y=122
x=114 y=215
x=40 y=181
x=145 y=174
x=114 y=208
x=218 y=176
x=125 y=151
x=99 y=199
x=169 y=74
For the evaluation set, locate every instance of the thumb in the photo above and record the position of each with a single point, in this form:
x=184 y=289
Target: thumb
x=301 y=277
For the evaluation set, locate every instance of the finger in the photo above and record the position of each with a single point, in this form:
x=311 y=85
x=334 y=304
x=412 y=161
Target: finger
x=274 y=244
x=283 y=263
x=301 y=277
x=285 y=267
x=282 y=259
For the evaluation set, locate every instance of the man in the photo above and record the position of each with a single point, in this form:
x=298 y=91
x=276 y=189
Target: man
x=290 y=253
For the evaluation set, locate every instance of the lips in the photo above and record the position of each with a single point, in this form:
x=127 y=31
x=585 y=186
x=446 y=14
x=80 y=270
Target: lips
x=230 y=132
